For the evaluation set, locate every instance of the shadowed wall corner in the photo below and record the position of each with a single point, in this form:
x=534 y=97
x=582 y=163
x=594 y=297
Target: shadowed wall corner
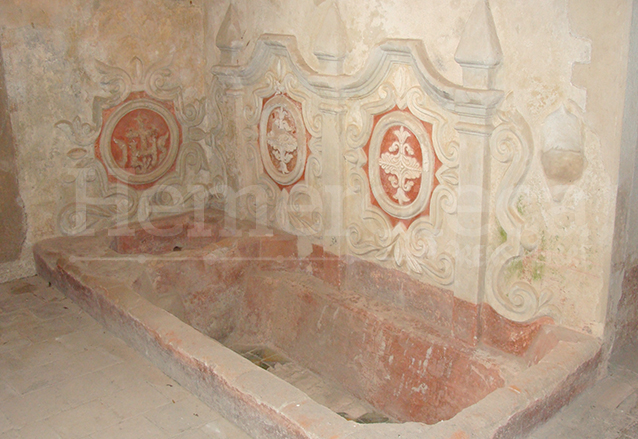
x=12 y=231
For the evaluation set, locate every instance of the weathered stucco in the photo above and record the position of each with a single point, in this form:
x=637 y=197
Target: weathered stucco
x=50 y=49
x=12 y=218
x=622 y=312
x=568 y=54
x=555 y=54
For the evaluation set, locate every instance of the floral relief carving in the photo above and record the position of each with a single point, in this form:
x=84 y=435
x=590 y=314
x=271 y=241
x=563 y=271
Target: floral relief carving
x=401 y=164
x=403 y=168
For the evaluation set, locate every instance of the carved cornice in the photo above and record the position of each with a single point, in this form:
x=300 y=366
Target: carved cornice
x=469 y=102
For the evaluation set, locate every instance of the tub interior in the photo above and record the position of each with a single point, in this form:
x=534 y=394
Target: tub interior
x=213 y=304
x=368 y=343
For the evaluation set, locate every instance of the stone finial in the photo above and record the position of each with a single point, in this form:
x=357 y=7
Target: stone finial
x=230 y=38
x=331 y=41
x=479 y=50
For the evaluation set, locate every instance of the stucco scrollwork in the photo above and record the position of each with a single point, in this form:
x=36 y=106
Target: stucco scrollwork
x=512 y=144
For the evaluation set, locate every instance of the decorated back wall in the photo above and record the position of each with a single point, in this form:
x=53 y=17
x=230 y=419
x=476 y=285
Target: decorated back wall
x=468 y=155
x=472 y=145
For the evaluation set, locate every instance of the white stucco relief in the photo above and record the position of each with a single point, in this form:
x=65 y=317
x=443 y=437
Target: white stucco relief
x=282 y=141
x=198 y=176
x=400 y=165
x=512 y=144
x=278 y=114
x=421 y=246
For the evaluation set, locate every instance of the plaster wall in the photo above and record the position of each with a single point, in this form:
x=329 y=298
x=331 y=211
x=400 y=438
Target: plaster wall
x=12 y=218
x=50 y=49
x=622 y=321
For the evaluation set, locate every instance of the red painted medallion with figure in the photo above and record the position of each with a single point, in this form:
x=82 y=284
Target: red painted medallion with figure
x=139 y=141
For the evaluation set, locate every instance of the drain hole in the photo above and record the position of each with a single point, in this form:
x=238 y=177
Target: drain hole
x=371 y=418
x=367 y=418
x=177 y=248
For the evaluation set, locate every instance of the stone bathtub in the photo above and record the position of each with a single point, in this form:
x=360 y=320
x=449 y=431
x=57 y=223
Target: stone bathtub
x=288 y=341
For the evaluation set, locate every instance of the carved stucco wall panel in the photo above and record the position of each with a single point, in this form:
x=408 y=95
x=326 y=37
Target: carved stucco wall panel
x=450 y=206
x=145 y=153
x=422 y=245
x=405 y=218
x=453 y=213
x=278 y=126
x=543 y=251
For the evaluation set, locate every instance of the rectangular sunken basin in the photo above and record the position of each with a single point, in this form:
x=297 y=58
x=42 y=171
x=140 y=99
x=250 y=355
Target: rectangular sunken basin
x=289 y=341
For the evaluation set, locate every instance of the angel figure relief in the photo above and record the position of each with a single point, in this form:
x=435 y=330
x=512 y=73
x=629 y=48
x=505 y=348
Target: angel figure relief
x=144 y=146
x=282 y=139
x=402 y=168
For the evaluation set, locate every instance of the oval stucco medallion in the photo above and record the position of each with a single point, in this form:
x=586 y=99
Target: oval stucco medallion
x=401 y=166
x=282 y=140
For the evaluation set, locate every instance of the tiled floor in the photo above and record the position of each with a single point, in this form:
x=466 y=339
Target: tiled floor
x=609 y=410
x=62 y=376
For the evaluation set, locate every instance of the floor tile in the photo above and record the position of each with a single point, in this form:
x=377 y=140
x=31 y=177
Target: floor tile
x=223 y=429
x=12 y=434
x=33 y=378
x=6 y=391
x=52 y=310
x=122 y=375
x=46 y=330
x=83 y=420
x=5 y=423
x=184 y=415
x=14 y=302
x=38 y=354
x=20 y=317
x=132 y=428
x=79 y=341
x=82 y=321
x=170 y=389
x=10 y=362
x=48 y=293
x=38 y=430
x=85 y=388
x=135 y=400
x=33 y=406
x=89 y=360
x=198 y=434
x=11 y=339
